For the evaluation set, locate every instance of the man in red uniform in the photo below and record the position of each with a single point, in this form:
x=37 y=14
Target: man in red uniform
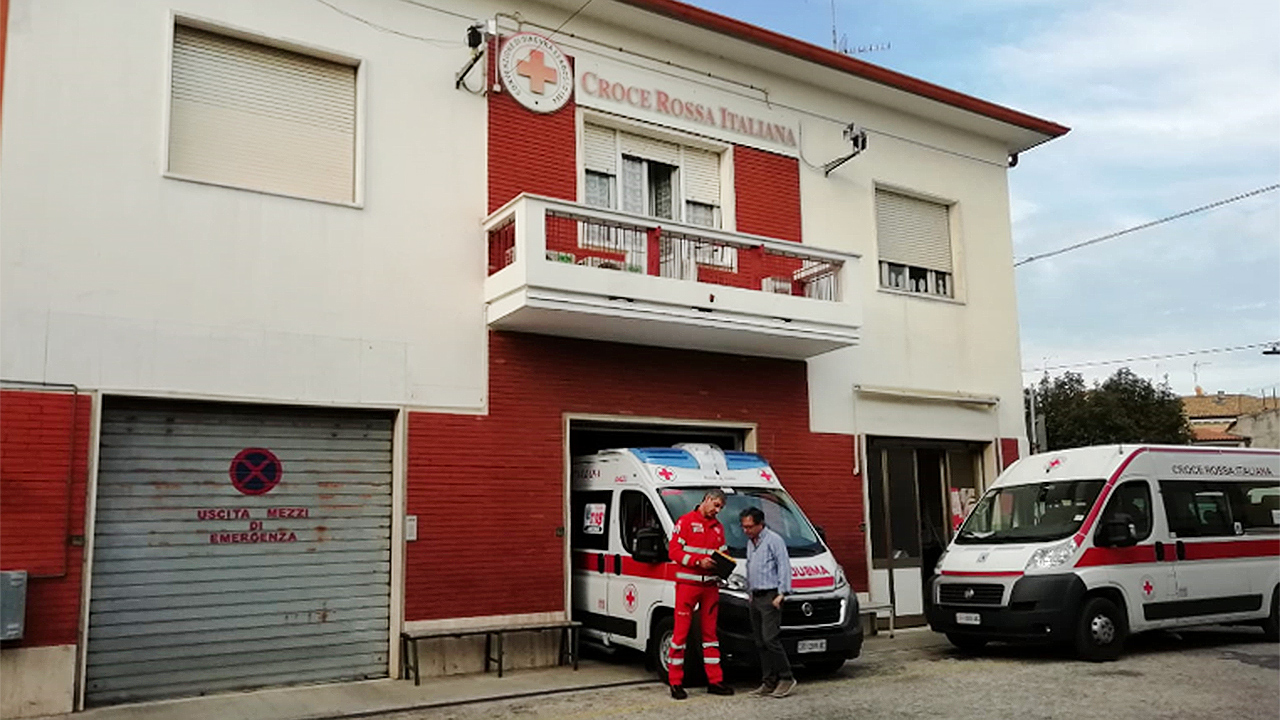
x=697 y=535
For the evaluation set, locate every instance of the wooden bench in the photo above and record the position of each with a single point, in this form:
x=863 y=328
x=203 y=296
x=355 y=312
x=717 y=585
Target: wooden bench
x=492 y=641
x=868 y=615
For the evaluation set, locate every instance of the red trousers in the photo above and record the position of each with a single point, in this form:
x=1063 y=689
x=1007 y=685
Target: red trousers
x=706 y=598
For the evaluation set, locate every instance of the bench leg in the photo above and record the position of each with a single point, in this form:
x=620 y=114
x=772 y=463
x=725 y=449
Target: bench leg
x=573 y=639
x=500 y=663
x=488 y=650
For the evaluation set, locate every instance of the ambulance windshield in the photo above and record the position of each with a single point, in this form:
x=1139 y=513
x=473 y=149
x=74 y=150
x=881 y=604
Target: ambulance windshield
x=1029 y=513
x=780 y=515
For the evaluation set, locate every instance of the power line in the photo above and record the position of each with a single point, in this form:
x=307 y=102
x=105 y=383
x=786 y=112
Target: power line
x=566 y=20
x=1144 y=226
x=1209 y=351
x=439 y=42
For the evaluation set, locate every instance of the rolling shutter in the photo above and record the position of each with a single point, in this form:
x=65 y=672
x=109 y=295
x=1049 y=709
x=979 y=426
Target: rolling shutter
x=650 y=149
x=202 y=585
x=702 y=176
x=913 y=232
x=599 y=151
x=259 y=117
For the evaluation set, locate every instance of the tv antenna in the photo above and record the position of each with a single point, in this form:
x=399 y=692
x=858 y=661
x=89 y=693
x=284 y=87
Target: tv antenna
x=840 y=43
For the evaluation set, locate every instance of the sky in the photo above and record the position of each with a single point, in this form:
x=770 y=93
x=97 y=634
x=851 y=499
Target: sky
x=1172 y=105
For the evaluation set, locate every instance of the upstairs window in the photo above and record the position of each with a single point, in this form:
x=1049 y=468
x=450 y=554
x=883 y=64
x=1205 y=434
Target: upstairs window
x=915 y=244
x=645 y=176
x=262 y=118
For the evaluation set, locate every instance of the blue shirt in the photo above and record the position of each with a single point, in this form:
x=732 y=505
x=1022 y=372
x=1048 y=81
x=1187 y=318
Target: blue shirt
x=768 y=566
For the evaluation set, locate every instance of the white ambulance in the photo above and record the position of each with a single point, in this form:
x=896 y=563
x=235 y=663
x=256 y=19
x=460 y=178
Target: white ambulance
x=623 y=506
x=1086 y=546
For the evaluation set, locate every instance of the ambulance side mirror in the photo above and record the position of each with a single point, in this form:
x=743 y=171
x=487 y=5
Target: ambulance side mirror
x=649 y=545
x=822 y=532
x=1116 y=531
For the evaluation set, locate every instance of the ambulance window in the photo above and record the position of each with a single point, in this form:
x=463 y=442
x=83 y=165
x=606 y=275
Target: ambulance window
x=637 y=514
x=1197 y=509
x=1257 y=506
x=590 y=519
x=1132 y=499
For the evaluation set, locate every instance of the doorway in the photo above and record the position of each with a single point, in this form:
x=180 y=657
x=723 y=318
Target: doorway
x=918 y=491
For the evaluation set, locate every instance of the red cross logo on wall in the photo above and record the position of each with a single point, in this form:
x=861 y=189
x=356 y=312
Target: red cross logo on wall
x=665 y=474
x=536 y=69
x=766 y=476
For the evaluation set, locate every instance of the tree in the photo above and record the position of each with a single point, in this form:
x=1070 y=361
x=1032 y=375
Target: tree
x=1124 y=408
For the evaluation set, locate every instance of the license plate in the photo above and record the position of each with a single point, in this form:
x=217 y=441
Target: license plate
x=811 y=646
x=968 y=618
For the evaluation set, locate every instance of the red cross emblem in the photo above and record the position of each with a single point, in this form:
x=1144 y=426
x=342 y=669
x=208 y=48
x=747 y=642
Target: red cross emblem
x=766 y=476
x=1147 y=587
x=665 y=474
x=629 y=597
x=536 y=69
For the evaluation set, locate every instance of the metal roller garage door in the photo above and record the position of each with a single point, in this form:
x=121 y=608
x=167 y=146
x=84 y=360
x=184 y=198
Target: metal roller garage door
x=238 y=547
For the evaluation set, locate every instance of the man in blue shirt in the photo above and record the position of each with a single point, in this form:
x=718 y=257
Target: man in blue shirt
x=768 y=581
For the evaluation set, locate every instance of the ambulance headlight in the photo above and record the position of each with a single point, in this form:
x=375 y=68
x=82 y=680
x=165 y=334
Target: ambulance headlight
x=841 y=580
x=1052 y=556
x=734 y=582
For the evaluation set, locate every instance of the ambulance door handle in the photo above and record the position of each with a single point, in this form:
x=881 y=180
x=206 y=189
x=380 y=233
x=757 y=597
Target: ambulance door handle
x=600 y=563
x=1181 y=547
x=1159 y=551
x=617 y=564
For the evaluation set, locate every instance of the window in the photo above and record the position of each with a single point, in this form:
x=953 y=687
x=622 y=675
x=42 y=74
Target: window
x=1198 y=509
x=1132 y=499
x=1037 y=512
x=915 y=244
x=781 y=515
x=258 y=117
x=590 y=518
x=645 y=176
x=1259 y=507
x=637 y=514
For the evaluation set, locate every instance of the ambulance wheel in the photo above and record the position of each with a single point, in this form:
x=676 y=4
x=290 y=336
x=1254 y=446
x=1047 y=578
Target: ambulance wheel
x=1271 y=626
x=660 y=646
x=1101 y=630
x=966 y=643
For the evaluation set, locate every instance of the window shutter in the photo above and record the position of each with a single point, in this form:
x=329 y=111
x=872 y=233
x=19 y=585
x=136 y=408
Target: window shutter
x=913 y=232
x=702 y=176
x=260 y=117
x=650 y=149
x=599 y=150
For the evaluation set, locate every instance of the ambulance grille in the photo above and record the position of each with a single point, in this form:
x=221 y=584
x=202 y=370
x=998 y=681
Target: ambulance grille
x=820 y=612
x=970 y=594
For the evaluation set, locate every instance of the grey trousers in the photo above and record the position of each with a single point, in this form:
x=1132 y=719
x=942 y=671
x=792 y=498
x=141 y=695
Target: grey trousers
x=766 y=624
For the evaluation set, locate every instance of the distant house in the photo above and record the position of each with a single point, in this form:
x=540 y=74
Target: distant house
x=1260 y=429
x=1213 y=418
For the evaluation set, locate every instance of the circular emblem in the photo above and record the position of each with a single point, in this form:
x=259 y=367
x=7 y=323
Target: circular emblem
x=535 y=72
x=629 y=597
x=255 y=471
x=807 y=609
x=1148 y=587
x=968 y=593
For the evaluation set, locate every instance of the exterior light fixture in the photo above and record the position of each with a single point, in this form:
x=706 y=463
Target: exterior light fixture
x=857 y=137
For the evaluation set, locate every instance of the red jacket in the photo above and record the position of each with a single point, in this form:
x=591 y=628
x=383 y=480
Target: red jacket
x=695 y=537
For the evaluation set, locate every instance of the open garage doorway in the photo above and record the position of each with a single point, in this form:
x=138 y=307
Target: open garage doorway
x=591 y=435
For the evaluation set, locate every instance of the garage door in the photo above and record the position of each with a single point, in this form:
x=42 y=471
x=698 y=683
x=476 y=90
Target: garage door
x=238 y=547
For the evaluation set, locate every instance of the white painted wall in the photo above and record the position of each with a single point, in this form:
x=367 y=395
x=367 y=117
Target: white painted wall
x=37 y=680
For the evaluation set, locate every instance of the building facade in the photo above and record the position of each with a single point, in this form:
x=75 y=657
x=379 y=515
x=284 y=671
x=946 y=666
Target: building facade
x=306 y=307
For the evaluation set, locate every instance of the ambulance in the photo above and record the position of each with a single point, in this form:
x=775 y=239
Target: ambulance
x=1084 y=547
x=624 y=504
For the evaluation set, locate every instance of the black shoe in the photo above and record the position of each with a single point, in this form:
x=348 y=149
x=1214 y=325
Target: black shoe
x=719 y=689
x=677 y=692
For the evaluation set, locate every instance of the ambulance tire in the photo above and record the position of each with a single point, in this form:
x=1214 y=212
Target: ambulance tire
x=967 y=643
x=1101 y=630
x=1271 y=626
x=660 y=644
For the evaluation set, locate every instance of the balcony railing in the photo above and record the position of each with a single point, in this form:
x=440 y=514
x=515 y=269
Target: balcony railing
x=715 y=290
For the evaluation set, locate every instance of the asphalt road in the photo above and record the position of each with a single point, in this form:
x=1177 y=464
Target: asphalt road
x=1206 y=673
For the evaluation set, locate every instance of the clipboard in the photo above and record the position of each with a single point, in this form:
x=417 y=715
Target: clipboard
x=724 y=564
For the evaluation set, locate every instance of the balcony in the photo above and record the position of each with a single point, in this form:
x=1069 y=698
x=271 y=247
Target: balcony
x=560 y=268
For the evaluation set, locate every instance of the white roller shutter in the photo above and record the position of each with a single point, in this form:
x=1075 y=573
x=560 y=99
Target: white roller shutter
x=702 y=176
x=650 y=149
x=599 y=149
x=238 y=547
x=913 y=232
x=259 y=117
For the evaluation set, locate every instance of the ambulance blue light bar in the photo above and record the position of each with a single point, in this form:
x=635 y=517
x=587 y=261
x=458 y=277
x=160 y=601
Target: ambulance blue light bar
x=671 y=457
x=736 y=460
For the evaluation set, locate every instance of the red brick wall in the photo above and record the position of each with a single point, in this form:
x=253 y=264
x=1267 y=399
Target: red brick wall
x=768 y=193
x=530 y=152
x=39 y=448
x=1008 y=451
x=488 y=490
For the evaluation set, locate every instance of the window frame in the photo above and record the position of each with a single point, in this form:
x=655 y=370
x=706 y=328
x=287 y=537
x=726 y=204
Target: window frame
x=248 y=35
x=934 y=277
x=1114 y=498
x=579 y=539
